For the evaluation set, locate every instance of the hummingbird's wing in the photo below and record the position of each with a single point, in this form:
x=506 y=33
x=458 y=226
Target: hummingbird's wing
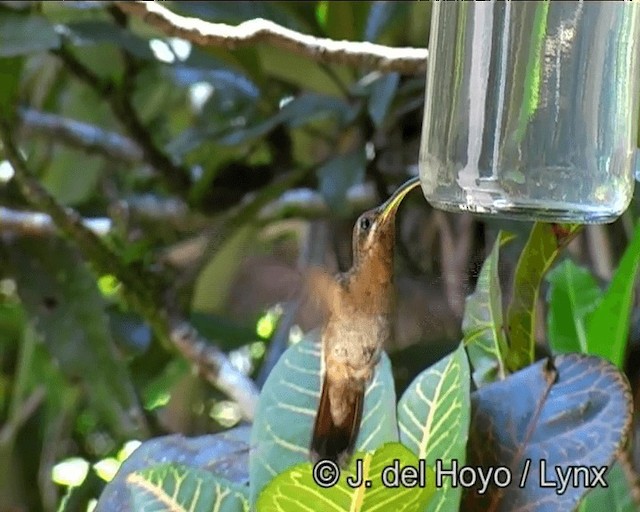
x=323 y=290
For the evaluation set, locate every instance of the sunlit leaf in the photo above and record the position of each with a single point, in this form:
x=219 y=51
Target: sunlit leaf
x=573 y=293
x=286 y=411
x=180 y=488
x=433 y=418
x=608 y=325
x=566 y=412
x=540 y=252
x=296 y=490
x=482 y=324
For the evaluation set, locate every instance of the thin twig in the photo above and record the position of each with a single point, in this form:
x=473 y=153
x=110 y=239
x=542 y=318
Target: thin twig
x=407 y=61
x=140 y=289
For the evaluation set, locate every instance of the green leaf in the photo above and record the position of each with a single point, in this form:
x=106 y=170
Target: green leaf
x=309 y=107
x=568 y=411
x=22 y=34
x=90 y=32
x=345 y=20
x=482 y=324
x=300 y=71
x=337 y=175
x=381 y=16
x=573 y=293
x=215 y=279
x=62 y=299
x=618 y=497
x=433 y=418
x=382 y=93
x=287 y=407
x=540 y=252
x=608 y=325
x=180 y=488
x=296 y=490
x=10 y=72
x=69 y=184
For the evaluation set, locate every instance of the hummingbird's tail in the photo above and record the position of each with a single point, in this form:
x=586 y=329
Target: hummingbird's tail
x=336 y=440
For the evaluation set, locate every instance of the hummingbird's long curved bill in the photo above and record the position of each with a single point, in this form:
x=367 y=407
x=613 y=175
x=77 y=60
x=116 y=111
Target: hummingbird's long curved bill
x=391 y=204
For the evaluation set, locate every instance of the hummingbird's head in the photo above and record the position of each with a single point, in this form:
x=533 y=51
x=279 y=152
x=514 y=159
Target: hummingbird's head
x=375 y=229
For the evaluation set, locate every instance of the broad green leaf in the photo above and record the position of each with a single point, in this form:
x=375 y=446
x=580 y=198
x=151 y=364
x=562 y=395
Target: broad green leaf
x=62 y=299
x=300 y=71
x=64 y=180
x=382 y=93
x=338 y=174
x=618 y=497
x=287 y=407
x=215 y=279
x=573 y=294
x=22 y=34
x=371 y=482
x=180 y=488
x=567 y=411
x=433 y=417
x=540 y=252
x=482 y=324
x=608 y=325
x=224 y=456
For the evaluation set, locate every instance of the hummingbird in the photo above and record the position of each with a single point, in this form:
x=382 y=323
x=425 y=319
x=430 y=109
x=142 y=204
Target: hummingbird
x=358 y=304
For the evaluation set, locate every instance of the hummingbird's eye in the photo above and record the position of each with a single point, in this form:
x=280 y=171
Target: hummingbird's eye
x=365 y=223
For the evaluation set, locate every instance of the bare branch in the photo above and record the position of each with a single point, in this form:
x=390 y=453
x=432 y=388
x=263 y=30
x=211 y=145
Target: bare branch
x=36 y=223
x=141 y=289
x=81 y=135
x=408 y=61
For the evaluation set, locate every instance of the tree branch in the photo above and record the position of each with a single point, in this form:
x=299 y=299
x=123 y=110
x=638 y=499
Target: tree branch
x=81 y=135
x=141 y=290
x=36 y=223
x=407 y=61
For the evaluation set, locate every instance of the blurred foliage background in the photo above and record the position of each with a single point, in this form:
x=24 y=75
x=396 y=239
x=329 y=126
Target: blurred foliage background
x=223 y=174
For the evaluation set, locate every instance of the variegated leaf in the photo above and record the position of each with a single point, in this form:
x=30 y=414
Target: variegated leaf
x=433 y=415
x=183 y=489
x=296 y=490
